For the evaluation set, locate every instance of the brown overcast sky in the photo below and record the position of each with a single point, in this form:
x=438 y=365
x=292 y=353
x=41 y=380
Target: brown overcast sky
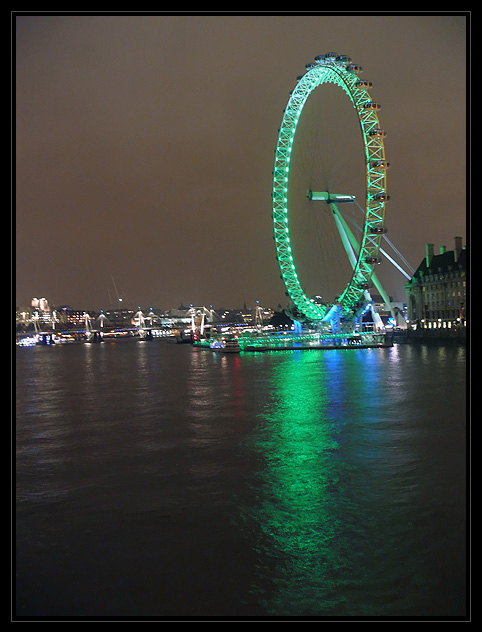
x=145 y=144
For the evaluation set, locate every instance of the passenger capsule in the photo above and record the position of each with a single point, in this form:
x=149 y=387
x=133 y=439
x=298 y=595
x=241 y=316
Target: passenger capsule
x=380 y=164
x=377 y=132
x=381 y=197
x=377 y=230
x=364 y=84
x=372 y=260
x=354 y=68
x=371 y=105
x=343 y=58
x=330 y=56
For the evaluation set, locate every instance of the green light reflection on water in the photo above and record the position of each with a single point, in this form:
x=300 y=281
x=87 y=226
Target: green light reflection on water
x=298 y=489
x=344 y=508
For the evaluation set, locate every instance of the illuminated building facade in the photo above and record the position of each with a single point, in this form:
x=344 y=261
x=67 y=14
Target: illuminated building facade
x=40 y=303
x=72 y=317
x=437 y=292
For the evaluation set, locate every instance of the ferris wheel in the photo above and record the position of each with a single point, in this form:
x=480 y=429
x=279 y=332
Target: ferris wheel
x=362 y=251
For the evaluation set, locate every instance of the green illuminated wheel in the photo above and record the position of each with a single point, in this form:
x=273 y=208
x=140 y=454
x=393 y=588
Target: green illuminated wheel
x=338 y=70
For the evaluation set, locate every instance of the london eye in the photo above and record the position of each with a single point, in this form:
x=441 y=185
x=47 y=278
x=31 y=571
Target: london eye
x=303 y=192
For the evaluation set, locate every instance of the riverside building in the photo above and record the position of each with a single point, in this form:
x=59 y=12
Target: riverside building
x=437 y=292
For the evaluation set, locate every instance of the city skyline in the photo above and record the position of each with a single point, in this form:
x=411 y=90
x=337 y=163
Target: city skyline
x=145 y=144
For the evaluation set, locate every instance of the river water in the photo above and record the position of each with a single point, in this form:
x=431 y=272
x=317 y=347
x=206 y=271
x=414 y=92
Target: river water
x=160 y=480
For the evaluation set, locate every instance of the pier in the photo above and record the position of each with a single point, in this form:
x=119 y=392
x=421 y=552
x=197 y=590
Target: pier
x=290 y=341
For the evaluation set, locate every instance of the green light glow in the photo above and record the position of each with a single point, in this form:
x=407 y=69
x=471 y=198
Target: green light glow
x=297 y=486
x=339 y=72
x=252 y=341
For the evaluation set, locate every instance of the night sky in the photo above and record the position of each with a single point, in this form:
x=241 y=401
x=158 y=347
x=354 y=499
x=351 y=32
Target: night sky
x=145 y=145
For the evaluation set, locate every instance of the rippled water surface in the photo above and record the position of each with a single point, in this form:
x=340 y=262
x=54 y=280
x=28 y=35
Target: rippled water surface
x=163 y=480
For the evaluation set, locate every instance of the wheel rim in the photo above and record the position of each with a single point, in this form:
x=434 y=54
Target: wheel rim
x=338 y=70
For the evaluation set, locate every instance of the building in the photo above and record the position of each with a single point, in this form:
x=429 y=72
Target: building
x=120 y=318
x=41 y=304
x=437 y=292
x=72 y=318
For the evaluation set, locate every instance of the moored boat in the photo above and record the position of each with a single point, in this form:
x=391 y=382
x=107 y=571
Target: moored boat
x=225 y=345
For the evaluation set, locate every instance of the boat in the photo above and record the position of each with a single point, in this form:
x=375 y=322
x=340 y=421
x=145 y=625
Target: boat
x=225 y=345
